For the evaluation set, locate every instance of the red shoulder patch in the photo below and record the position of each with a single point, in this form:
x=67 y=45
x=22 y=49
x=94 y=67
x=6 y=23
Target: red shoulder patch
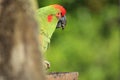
x=50 y=18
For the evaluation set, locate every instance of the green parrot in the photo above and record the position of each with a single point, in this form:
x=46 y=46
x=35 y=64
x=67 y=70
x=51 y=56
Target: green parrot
x=50 y=18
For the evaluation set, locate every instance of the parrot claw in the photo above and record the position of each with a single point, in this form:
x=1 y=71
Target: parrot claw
x=46 y=64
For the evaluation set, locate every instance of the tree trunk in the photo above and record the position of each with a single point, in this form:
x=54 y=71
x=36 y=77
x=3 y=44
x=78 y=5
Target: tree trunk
x=20 y=58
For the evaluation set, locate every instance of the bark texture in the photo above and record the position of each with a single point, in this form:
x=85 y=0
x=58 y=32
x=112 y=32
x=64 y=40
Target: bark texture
x=20 y=58
x=63 y=76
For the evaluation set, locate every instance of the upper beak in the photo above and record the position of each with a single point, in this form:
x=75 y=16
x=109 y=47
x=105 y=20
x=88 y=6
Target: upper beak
x=62 y=22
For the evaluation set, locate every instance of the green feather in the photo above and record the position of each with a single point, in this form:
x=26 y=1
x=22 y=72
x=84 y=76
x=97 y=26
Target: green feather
x=46 y=28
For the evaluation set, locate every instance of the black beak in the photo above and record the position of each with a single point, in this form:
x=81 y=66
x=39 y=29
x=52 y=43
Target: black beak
x=62 y=22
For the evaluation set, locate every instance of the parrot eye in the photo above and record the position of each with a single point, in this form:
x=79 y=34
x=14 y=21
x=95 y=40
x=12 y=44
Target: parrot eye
x=58 y=15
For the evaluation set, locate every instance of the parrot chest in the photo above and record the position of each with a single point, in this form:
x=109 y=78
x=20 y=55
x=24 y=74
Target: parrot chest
x=44 y=42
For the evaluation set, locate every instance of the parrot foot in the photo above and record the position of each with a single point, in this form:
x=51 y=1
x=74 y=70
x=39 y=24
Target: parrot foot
x=46 y=64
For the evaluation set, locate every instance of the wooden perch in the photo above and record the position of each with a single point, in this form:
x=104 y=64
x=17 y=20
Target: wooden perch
x=63 y=76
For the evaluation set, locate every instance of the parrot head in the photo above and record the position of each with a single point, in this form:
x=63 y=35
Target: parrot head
x=51 y=17
x=60 y=15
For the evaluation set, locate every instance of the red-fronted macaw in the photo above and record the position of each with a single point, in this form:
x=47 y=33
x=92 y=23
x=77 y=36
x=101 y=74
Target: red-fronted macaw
x=50 y=18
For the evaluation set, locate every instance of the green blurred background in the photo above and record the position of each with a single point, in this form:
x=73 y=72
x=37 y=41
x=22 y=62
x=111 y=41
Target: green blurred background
x=90 y=42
